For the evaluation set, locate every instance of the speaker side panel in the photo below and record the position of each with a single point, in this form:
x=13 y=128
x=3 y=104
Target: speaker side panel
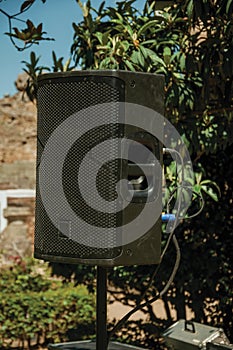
x=146 y=90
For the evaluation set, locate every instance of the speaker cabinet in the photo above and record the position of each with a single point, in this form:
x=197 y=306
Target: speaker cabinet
x=99 y=167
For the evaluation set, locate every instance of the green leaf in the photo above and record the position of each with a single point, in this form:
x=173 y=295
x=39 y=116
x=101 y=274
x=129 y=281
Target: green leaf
x=146 y=26
x=76 y=27
x=154 y=57
x=167 y=55
x=129 y=65
x=30 y=24
x=105 y=63
x=151 y=8
x=182 y=61
x=143 y=50
x=134 y=57
x=141 y=58
x=118 y=21
x=125 y=44
x=229 y=4
x=33 y=58
x=26 y=4
x=105 y=37
x=167 y=51
x=212 y=183
x=146 y=42
x=120 y=17
x=190 y=9
x=99 y=36
x=101 y=8
x=210 y=192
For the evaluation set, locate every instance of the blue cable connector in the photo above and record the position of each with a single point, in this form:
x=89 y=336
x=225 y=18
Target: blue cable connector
x=168 y=217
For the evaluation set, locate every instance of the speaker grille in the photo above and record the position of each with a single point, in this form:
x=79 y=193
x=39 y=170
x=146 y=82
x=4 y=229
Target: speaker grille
x=77 y=95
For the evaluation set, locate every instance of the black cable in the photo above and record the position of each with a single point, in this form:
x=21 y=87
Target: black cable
x=170 y=150
x=152 y=300
x=172 y=236
x=171 y=233
x=176 y=219
x=197 y=193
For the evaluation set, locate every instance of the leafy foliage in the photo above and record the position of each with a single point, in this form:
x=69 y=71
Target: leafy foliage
x=36 y=309
x=30 y=35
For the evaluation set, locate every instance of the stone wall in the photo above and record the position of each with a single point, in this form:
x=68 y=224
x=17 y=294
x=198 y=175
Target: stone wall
x=17 y=171
x=17 y=131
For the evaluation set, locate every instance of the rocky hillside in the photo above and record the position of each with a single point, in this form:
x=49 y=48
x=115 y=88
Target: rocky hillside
x=18 y=142
x=17 y=171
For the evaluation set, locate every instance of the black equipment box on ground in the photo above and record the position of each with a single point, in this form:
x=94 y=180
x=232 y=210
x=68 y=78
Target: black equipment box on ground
x=188 y=335
x=90 y=345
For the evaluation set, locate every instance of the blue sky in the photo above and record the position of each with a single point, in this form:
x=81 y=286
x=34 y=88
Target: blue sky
x=57 y=17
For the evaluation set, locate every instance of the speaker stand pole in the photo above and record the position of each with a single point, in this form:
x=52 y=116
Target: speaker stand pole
x=101 y=309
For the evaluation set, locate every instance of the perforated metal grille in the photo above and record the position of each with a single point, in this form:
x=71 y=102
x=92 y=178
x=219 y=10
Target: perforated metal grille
x=57 y=101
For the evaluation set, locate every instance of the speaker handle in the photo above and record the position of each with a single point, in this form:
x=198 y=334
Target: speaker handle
x=141 y=170
x=189 y=326
x=142 y=177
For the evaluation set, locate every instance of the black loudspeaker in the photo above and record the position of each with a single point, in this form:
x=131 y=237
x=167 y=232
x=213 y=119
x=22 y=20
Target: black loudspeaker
x=99 y=176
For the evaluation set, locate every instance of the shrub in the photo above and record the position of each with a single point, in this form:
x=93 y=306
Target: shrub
x=58 y=312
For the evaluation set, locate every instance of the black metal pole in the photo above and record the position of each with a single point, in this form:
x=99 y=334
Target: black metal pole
x=101 y=309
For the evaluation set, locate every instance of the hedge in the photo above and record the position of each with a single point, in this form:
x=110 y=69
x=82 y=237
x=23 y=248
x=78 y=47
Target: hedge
x=61 y=312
